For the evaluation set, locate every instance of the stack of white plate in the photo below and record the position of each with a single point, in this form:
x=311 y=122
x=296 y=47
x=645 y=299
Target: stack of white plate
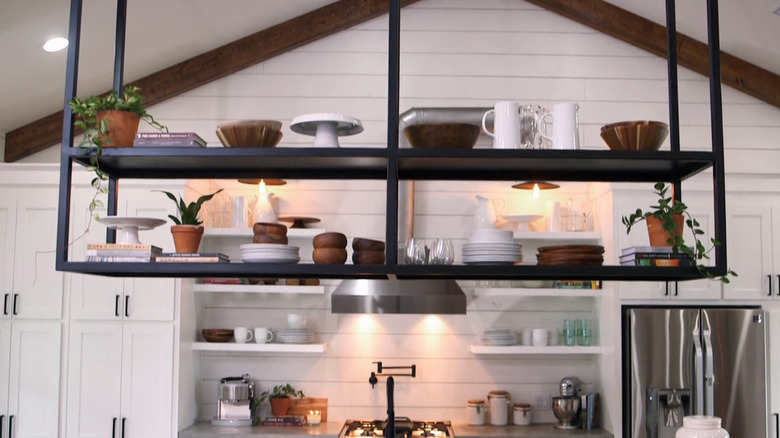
x=499 y=337
x=269 y=253
x=492 y=246
x=295 y=336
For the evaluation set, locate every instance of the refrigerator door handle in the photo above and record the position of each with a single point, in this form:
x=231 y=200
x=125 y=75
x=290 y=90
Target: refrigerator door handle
x=709 y=375
x=698 y=380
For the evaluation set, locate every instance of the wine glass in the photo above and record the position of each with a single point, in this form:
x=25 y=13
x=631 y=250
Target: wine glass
x=415 y=252
x=442 y=252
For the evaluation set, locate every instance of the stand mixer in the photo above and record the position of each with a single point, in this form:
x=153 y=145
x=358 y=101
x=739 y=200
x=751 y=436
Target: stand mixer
x=567 y=407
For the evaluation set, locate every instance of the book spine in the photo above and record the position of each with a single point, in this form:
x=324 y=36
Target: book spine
x=659 y=262
x=135 y=246
x=181 y=135
x=281 y=423
x=578 y=284
x=112 y=259
x=163 y=259
x=168 y=143
x=195 y=254
x=656 y=255
x=121 y=253
x=210 y=280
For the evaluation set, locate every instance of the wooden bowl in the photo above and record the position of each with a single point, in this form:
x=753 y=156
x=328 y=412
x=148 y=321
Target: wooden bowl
x=361 y=244
x=269 y=228
x=217 y=335
x=443 y=135
x=270 y=238
x=329 y=256
x=250 y=133
x=642 y=135
x=330 y=240
x=368 y=257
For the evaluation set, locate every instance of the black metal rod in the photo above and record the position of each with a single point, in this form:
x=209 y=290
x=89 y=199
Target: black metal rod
x=66 y=163
x=393 y=114
x=716 y=126
x=119 y=45
x=674 y=100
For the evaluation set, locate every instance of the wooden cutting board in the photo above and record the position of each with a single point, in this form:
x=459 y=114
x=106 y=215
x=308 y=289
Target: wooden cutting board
x=302 y=406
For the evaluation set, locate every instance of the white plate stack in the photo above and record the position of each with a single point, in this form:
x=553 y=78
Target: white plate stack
x=490 y=246
x=269 y=253
x=295 y=336
x=499 y=337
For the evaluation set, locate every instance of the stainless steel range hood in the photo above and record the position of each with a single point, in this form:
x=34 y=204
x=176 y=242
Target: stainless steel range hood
x=441 y=297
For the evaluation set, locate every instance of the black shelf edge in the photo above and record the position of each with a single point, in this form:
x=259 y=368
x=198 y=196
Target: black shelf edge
x=456 y=272
x=232 y=163
x=541 y=164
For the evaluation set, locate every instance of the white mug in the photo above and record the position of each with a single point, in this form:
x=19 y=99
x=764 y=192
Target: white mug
x=540 y=337
x=527 y=336
x=263 y=335
x=506 y=125
x=566 y=131
x=296 y=321
x=242 y=335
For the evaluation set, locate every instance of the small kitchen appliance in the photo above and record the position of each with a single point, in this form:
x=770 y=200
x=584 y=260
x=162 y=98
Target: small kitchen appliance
x=567 y=407
x=234 y=403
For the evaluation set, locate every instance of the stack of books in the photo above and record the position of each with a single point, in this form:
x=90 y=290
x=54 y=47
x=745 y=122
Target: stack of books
x=578 y=284
x=122 y=252
x=192 y=257
x=654 y=256
x=286 y=420
x=168 y=139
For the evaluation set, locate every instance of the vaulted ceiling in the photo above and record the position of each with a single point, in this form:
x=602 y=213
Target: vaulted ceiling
x=215 y=37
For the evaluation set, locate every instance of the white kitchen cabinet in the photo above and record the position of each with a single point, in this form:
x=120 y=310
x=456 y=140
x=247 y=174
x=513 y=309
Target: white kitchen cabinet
x=753 y=238
x=120 y=380
x=137 y=299
x=30 y=378
x=31 y=287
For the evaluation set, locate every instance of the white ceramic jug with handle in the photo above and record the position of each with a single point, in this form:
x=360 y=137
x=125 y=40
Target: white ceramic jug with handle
x=506 y=125
x=263 y=210
x=566 y=130
x=486 y=215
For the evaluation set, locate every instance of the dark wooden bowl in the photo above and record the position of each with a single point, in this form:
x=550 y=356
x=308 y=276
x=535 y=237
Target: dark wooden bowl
x=642 y=135
x=250 y=133
x=217 y=335
x=330 y=240
x=269 y=228
x=329 y=256
x=361 y=244
x=368 y=257
x=443 y=135
x=270 y=238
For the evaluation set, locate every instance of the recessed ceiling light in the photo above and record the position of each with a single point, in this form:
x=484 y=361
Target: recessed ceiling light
x=55 y=44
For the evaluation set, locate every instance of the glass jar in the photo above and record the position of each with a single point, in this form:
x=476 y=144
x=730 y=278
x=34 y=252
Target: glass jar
x=701 y=426
x=521 y=414
x=475 y=412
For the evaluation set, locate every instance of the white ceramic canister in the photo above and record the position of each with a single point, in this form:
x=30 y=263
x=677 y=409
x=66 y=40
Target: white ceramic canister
x=701 y=426
x=499 y=407
x=521 y=414
x=475 y=412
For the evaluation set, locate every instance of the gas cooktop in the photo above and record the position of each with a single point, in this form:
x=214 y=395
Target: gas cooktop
x=404 y=428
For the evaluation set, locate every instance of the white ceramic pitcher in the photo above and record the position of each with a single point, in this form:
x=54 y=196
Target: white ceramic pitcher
x=486 y=215
x=263 y=210
x=566 y=129
x=506 y=125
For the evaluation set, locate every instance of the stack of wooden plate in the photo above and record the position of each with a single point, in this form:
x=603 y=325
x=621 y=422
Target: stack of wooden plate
x=592 y=255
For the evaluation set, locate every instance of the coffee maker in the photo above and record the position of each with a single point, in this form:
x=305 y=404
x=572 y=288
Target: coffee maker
x=234 y=403
x=567 y=407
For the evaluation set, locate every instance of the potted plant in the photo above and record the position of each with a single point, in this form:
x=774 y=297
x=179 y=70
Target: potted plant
x=666 y=222
x=109 y=121
x=279 y=398
x=187 y=230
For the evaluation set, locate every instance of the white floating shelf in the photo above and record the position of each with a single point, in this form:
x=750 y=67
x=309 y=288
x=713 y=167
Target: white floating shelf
x=521 y=350
x=247 y=232
x=558 y=235
x=259 y=348
x=259 y=289
x=536 y=292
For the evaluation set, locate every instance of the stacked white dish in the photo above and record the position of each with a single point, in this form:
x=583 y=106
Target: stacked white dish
x=492 y=246
x=295 y=336
x=269 y=253
x=499 y=337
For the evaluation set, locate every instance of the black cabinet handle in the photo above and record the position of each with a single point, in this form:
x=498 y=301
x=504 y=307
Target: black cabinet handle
x=3 y=416
x=666 y=287
x=778 y=284
x=769 y=280
x=5 y=304
x=116 y=306
x=113 y=422
x=16 y=296
x=10 y=426
x=777 y=425
x=127 y=306
x=123 y=427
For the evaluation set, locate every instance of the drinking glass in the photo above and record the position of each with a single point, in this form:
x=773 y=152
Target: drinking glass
x=442 y=252
x=585 y=332
x=569 y=332
x=415 y=252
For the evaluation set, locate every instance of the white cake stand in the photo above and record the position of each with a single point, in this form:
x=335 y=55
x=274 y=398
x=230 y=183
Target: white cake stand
x=523 y=220
x=128 y=227
x=326 y=127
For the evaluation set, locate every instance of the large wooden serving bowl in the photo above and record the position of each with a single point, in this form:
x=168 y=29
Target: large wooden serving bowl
x=640 y=135
x=443 y=135
x=250 y=133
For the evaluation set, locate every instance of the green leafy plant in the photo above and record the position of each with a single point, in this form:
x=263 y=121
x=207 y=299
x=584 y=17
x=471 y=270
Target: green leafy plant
x=280 y=391
x=187 y=213
x=665 y=210
x=95 y=133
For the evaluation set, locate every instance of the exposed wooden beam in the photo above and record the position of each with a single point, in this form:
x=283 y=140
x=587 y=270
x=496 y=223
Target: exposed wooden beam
x=647 y=35
x=215 y=64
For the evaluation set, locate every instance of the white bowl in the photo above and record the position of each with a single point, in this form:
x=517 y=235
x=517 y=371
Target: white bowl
x=295 y=320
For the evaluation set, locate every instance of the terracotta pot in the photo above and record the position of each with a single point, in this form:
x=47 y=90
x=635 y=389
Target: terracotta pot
x=186 y=238
x=279 y=406
x=659 y=236
x=122 y=127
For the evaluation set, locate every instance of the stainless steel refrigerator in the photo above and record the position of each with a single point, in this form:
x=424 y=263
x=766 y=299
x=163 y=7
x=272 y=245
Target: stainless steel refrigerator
x=694 y=361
